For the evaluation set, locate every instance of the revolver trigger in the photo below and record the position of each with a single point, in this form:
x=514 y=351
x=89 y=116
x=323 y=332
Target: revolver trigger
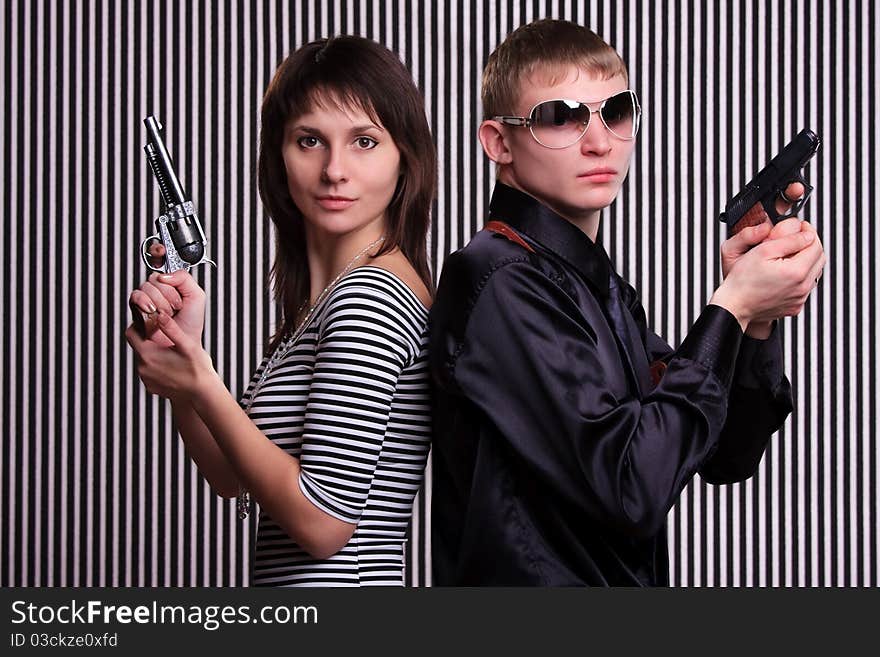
x=148 y=257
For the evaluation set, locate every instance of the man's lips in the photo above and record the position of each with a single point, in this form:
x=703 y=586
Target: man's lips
x=602 y=174
x=332 y=202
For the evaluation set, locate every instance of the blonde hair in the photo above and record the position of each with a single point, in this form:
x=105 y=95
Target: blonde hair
x=547 y=46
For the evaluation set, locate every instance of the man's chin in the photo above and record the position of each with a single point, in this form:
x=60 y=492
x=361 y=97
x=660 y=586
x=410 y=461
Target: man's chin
x=585 y=205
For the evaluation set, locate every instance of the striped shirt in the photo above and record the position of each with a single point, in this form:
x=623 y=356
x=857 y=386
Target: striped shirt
x=350 y=400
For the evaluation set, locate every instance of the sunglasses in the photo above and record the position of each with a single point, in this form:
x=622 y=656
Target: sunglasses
x=559 y=123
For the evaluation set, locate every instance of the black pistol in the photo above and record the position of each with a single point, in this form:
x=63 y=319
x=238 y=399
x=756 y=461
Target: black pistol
x=748 y=207
x=178 y=228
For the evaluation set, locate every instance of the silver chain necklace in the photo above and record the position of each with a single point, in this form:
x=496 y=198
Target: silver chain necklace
x=243 y=502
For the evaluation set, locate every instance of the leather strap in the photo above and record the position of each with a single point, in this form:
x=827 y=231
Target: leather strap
x=501 y=228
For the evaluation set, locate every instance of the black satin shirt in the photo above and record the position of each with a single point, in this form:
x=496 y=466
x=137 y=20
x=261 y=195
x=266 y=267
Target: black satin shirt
x=556 y=457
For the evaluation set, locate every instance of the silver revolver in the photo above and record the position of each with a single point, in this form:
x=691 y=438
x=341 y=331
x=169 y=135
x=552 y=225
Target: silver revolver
x=178 y=229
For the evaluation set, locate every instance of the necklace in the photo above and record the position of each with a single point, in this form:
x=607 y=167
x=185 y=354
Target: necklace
x=333 y=283
x=243 y=502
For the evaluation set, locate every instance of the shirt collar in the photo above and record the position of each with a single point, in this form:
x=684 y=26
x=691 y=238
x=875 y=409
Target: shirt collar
x=555 y=233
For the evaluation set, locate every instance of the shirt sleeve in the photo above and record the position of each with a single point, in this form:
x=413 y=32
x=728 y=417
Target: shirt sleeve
x=539 y=370
x=363 y=346
x=759 y=400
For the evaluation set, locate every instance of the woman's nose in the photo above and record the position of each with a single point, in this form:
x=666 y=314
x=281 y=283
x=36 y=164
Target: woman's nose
x=335 y=168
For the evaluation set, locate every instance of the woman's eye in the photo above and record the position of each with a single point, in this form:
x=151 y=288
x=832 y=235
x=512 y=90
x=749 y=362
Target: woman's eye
x=308 y=141
x=366 y=143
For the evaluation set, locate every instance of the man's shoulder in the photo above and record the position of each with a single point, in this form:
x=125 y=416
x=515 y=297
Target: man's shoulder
x=469 y=268
x=489 y=259
x=466 y=274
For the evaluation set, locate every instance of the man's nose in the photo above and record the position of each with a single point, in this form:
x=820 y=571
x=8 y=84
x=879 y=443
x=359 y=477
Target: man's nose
x=596 y=140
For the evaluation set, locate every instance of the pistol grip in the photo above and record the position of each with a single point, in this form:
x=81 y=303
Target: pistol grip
x=754 y=217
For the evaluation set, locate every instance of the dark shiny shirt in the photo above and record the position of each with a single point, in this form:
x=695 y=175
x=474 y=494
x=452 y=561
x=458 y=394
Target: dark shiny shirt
x=556 y=456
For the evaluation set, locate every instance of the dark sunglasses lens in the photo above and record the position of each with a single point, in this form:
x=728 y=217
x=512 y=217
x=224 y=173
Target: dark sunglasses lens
x=619 y=114
x=559 y=123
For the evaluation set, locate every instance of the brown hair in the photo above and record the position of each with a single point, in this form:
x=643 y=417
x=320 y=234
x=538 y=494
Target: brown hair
x=547 y=46
x=360 y=73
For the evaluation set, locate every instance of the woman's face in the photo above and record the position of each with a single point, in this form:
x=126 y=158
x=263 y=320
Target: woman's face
x=342 y=168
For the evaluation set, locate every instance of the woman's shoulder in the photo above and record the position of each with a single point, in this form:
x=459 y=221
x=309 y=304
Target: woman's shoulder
x=395 y=284
x=373 y=300
x=399 y=267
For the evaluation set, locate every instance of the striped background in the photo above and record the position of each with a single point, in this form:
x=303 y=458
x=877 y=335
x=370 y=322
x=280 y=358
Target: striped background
x=96 y=488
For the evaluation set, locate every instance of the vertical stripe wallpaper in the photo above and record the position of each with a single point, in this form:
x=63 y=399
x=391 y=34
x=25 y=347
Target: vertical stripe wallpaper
x=96 y=487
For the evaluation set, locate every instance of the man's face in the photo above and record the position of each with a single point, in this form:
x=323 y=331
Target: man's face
x=580 y=180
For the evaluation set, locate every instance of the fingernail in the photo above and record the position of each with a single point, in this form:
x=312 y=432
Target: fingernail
x=164 y=277
x=151 y=308
x=808 y=237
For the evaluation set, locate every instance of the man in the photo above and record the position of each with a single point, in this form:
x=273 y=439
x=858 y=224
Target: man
x=564 y=429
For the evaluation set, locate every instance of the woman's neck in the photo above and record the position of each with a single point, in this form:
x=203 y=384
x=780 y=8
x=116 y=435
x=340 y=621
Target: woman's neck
x=330 y=254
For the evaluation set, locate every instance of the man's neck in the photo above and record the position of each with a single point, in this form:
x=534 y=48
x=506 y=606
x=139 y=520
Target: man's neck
x=588 y=223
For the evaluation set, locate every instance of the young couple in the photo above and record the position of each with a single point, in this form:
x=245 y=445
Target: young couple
x=563 y=429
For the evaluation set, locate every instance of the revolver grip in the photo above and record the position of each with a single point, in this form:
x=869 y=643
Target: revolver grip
x=144 y=324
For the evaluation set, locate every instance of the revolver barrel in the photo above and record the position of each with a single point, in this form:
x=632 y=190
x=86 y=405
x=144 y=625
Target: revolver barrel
x=178 y=228
x=160 y=162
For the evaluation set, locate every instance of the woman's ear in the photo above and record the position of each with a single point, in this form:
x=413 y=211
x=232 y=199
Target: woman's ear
x=491 y=134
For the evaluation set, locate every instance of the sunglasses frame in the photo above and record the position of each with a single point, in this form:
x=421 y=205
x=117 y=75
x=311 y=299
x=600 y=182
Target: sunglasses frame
x=527 y=122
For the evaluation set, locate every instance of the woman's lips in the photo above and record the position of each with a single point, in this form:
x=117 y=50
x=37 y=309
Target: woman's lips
x=335 y=202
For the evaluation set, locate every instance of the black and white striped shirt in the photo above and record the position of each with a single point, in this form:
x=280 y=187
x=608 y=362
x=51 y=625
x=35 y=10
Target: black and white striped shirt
x=350 y=399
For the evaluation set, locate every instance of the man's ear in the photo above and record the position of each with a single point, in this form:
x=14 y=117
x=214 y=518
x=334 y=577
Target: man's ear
x=491 y=136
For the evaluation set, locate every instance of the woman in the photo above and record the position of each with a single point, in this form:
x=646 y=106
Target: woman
x=332 y=434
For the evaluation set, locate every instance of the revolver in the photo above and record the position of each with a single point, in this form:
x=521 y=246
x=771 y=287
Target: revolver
x=747 y=208
x=178 y=229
